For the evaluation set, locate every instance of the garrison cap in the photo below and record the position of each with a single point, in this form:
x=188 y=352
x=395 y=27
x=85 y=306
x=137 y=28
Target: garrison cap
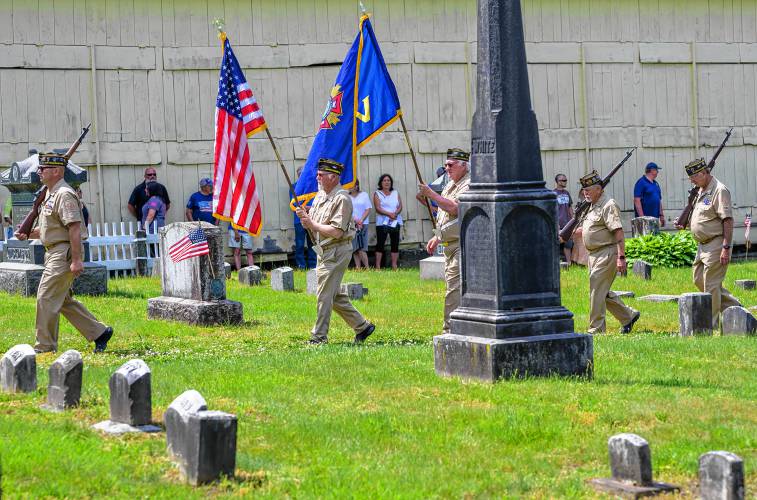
x=331 y=166
x=52 y=160
x=591 y=179
x=695 y=167
x=458 y=154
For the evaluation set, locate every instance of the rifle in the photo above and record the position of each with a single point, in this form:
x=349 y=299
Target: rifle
x=28 y=223
x=583 y=206
x=684 y=219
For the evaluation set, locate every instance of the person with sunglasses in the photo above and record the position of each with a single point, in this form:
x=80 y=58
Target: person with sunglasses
x=139 y=195
x=564 y=211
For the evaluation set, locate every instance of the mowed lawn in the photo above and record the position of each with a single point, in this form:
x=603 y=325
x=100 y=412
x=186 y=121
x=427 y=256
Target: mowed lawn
x=375 y=421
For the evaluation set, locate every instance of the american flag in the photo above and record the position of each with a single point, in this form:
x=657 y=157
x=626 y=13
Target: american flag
x=238 y=116
x=747 y=225
x=191 y=245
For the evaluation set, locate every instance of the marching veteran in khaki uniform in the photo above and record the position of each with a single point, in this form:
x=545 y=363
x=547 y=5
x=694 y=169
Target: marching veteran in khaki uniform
x=712 y=228
x=61 y=230
x=329 y=220
x=603 y=236
x=447 y=230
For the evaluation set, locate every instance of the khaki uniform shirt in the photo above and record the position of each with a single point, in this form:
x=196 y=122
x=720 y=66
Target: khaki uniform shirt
x=334 y=209
x=448 y=227
x=599 y=223
x=710 y=208
x=60 y=208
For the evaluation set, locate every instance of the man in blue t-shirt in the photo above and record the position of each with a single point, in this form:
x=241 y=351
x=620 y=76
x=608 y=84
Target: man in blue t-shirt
x=647 y=196
x=200 y=204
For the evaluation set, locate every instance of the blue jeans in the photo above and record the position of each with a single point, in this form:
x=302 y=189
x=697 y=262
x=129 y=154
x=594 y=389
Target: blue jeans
x=303 y=248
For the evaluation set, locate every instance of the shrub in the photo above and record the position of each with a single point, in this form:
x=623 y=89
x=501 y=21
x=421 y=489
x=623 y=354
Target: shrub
x=663 y=249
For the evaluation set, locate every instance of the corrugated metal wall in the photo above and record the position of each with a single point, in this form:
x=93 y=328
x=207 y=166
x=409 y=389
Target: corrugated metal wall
x=660 y=74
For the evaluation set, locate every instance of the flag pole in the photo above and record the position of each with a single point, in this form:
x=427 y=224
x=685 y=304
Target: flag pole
x=417 y=170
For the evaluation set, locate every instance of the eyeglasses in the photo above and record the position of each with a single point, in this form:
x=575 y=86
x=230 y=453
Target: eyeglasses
x=562 y=180
x=151 y=175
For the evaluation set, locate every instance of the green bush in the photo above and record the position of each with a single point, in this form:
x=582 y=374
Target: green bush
x=663 y=249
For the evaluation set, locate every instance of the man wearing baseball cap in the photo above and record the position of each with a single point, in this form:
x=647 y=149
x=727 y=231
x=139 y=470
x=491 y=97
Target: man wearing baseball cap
x=647 y=195
x=200 y=204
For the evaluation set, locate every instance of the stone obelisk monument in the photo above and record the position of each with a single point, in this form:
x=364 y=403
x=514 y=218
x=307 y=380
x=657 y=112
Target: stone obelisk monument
x=511 y=321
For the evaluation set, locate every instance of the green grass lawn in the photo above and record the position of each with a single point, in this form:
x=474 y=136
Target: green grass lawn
x=375 y=421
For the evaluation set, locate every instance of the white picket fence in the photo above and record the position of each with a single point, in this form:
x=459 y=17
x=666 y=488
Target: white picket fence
x=112 y=245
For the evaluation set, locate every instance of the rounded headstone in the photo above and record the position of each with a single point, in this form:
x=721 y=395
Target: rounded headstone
x=176 y=418
x=721 y=476
x=131 y=394
x=738 y=321
x=18 y=369
x=630 y=459
x=65 y=378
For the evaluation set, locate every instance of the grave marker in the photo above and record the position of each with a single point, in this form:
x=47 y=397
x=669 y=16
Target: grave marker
x=695 y=314
x=738 y=321
x=642 y=269
x=131 y=394
x=250 y=275
x=282 y=279
x=721 y=476
x=65 y=379
x=18 y=369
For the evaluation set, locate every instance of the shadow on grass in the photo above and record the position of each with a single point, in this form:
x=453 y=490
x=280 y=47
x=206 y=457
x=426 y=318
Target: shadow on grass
x=659 y=382
x=128 y=294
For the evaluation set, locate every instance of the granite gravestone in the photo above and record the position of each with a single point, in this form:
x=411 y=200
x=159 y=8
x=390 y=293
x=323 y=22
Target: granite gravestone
x=642 y=269
x=641 y=226
x=18 y=369
x=282 y=279
x=203 y=443
x=746 y=284
x=250 y=275
x=24 y=261
x=631 y=468
x=721 y=476
x=355 y=291
x=131 y=394
x=738 y=321
x=65 y=379
x=511 y=321
x=695 y=314
x=312 y=282
x=194 y=289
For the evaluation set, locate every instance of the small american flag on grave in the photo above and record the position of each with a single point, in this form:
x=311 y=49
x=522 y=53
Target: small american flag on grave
x=191 y=245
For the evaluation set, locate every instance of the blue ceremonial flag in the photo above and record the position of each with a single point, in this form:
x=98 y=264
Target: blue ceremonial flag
x=362 y=103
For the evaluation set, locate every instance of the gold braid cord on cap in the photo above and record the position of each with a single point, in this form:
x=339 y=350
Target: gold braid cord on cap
x=591 y=179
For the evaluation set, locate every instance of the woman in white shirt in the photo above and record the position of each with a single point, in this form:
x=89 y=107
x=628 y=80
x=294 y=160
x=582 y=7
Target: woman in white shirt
x=361 y=211
x=388 y=205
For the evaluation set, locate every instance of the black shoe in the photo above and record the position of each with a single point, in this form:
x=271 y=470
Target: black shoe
x=101 y=342
x=627 y=328
x=360 y=337
x=317 y=341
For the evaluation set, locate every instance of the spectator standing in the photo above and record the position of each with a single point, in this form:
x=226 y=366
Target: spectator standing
x=388 y=205
x=239 y=239
x=139 y=197
x=361 y=214
x=155 y=207
x=647 y=195
x=200 y=204
x=84 y=209
x=564 y=212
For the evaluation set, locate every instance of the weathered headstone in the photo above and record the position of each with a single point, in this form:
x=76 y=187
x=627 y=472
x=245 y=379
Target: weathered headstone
x=312 y=282
x=432 y=268
x=642 y=269
x=250 y=275
x=564 y=266
x=511 y=321
x=354 y=291
x=631 y=468
x=202 y=442
x=18 y=369
x=194 y=289
x=695 y=314
x=131 y=394
x=721 y=476
x=655 y=297
x=738 y=321
x=628 y=294
x=227 y=269
x=641 y=226
x=65 y=379
x=282 y=279
x=746 y=284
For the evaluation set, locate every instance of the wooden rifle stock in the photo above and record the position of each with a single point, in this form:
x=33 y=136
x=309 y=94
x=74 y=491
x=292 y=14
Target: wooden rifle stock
x=28 y=223
x=583 y=206
x=684 y=219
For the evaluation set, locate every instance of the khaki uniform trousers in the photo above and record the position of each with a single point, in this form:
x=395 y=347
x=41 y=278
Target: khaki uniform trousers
x=54 y=297
x=329 y=272
x=708 y=274
x=452 y=278
x=602 y=271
